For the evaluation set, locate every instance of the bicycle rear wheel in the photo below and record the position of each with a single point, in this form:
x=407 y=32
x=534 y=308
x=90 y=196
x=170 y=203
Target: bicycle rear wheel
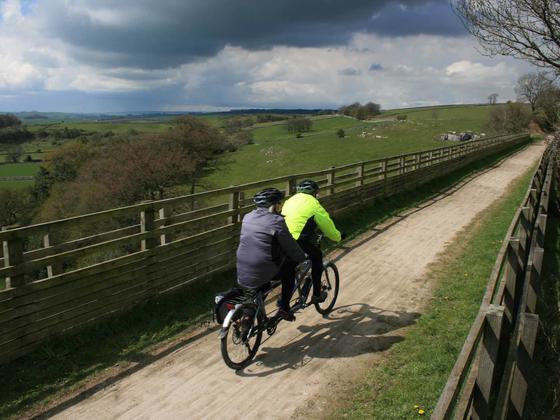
x=330 y=284
x=242 y=339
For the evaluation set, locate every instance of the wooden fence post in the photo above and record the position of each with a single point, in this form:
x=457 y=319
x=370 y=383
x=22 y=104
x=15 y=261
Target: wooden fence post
x=240 y=204
x=529 y=325
x=533 y=201
x=55 y=268
x=163 y=239
x=525 y=232
x=147 y=224
x=384 y=167
x=234 y=205
x=511 y=282
x=330 y=181
x=541 y=228
x=534 y=286
x=290 y=186
x=486 y=381
x=360 y=174
x=401 y=165
x=13 y=256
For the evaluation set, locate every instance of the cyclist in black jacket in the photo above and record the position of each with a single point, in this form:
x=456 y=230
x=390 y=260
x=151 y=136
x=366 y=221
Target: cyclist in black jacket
x=267 y=250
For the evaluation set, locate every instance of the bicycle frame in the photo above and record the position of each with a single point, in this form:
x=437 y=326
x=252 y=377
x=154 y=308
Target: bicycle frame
x=302 y=271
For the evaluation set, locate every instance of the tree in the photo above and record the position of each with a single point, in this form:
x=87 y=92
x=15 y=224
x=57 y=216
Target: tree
x=340 y=133
x=15 y=206
x=359 y=111
x=14 y=154
x=509 y=118
x=372 y=109
x=9 y=120
x=531 y=85
x=493 y=98
x=299 y=125
x=200 y=141
x=548 y=103
x=526 y=29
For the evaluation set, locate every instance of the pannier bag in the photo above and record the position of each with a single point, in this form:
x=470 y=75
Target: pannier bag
x=226 y=301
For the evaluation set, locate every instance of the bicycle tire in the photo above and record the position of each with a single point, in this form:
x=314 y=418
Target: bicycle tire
x=330 y=281
x=233 y=335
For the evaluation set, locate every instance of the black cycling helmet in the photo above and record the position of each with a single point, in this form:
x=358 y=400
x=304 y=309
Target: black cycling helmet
x=268 y=197
x=308 y=187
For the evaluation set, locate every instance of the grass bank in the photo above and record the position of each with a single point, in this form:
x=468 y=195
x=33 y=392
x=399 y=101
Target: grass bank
x=416 y=369
x=65 y=363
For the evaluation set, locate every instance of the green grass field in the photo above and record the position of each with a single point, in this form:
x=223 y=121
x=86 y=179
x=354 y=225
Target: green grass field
x=277 y=152
x=19 y=169
x=15 y=184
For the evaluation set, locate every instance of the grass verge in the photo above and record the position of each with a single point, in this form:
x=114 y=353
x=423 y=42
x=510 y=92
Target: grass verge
x=65 y=363
x=416 y=369
x=543 y=399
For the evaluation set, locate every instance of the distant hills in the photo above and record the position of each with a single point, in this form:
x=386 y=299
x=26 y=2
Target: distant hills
x=37 y=117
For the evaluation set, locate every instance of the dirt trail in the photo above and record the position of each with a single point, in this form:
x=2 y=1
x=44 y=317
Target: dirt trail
x=383 y=288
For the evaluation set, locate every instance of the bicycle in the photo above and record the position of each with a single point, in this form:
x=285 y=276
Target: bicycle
x=246 y=321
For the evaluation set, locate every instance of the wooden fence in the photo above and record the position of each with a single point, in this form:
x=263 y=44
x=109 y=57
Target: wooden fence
x=68 y=273
x=489 y=379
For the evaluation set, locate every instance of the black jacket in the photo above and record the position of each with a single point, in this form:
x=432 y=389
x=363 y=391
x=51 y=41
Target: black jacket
x=264 y=243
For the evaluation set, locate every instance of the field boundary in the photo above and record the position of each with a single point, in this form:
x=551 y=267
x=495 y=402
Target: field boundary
x=66 y=274
x=489 y=379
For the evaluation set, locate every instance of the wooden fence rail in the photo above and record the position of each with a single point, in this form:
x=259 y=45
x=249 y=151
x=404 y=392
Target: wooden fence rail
x=66 y=274
x=489 y=379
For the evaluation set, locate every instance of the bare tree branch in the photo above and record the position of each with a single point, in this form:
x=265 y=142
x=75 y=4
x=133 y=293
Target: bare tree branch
x=526 y=29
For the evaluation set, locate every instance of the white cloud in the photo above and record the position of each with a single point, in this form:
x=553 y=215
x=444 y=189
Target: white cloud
x=10 y=11
x=469 y=72
x=17 y=74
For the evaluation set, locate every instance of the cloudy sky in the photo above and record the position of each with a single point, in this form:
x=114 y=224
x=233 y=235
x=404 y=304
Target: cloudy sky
x=177 y=55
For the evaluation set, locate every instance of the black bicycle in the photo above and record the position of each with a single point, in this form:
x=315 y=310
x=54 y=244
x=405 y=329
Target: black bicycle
x=246 y=321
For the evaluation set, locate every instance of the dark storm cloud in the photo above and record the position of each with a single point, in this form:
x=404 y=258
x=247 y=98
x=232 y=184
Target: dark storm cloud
x=436 y=19
x=376 y=67
x=167 y=33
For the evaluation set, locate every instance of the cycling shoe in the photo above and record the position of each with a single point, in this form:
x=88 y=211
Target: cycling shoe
x=286 y=315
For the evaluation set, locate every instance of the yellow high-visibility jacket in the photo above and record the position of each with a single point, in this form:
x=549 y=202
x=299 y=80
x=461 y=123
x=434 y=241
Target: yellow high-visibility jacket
x=304 y=213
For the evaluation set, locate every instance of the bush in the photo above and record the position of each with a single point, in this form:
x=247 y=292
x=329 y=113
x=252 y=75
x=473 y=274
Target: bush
x=299 y=125
x=15 y=135
x=542 y=121
x=509 y=118
x=9 y=120
x=361 y=112
x=340 y=133
x=15 y=206
x=402 y=117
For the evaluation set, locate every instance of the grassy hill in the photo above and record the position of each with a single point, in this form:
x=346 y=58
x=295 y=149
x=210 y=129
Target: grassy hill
x=277 y=152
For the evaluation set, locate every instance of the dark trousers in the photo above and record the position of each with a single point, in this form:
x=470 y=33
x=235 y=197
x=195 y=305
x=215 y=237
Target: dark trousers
x=287 y=274
x=316 y=256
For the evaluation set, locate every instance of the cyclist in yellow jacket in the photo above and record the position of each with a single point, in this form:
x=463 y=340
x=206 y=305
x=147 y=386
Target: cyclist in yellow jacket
x=304 y=214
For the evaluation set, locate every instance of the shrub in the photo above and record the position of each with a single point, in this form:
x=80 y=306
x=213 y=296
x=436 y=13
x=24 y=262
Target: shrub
x=402 y=117
x=340 y=133
x=509 y=118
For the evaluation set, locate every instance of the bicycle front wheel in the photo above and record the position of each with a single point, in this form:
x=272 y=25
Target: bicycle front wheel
x=330 y=284
x=242 y=340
